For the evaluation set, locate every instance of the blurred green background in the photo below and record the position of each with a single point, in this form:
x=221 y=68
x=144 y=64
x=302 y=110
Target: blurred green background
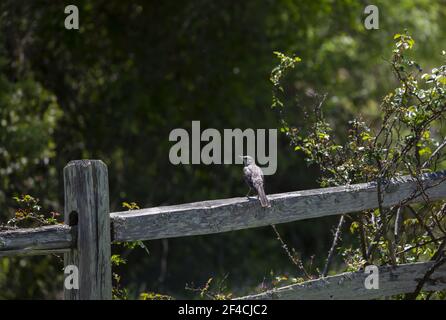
x=135 y=70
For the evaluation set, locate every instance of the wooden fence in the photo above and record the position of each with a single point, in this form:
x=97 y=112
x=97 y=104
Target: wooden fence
x=89 y=229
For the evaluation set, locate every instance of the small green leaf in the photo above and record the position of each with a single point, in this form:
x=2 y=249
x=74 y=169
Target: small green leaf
x=116 y=260
x=425 y=151
x=354 y=226
x=442 y=80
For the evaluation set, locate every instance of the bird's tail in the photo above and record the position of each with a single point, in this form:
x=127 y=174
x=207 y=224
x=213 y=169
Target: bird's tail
x=262 y=196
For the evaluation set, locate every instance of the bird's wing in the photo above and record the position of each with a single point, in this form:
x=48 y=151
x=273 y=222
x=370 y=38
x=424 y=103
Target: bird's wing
x=247 y=174
x=256 y=175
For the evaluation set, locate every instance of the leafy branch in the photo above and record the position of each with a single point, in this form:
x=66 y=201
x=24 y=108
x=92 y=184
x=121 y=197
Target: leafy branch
x=404 y=139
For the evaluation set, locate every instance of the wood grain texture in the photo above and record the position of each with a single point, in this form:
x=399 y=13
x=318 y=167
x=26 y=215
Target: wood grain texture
x=86 y=194
x=240 y=213
x=35 y=241
x=350 y=286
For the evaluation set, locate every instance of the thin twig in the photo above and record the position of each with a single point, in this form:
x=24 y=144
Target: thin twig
x=333 y=246
x=297 y=262
x=434 y=154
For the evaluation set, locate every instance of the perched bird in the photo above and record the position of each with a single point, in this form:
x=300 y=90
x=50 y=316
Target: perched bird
x=254 y=178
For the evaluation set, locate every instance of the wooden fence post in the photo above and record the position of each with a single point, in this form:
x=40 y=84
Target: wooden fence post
x=87 y=206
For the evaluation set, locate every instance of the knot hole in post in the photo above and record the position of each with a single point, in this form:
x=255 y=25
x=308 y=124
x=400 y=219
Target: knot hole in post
x=73 y=218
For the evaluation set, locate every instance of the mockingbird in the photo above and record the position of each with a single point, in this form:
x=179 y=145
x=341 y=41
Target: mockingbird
x=254 y=178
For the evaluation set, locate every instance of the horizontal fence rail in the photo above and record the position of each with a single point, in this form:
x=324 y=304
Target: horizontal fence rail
x=223 y=215
x=240 y=213
x=34 y=241
x=350 y=285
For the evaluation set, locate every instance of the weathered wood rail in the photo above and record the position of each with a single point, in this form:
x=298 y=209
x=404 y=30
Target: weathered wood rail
x=350 y=285
x=240 y=213
x=36 y=241
x=90 y=228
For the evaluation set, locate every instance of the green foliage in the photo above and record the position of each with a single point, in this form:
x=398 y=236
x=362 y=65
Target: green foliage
x=118 y=292
x=28 y=116
x=410 y=112
x=154 y=296
x=138 y=69
x=405 y=140
x=277 y=74
x=116 y=260
x=28 y=214
x=130 y=206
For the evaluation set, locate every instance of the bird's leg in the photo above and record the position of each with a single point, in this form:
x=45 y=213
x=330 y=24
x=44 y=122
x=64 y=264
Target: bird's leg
x=249 y=191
